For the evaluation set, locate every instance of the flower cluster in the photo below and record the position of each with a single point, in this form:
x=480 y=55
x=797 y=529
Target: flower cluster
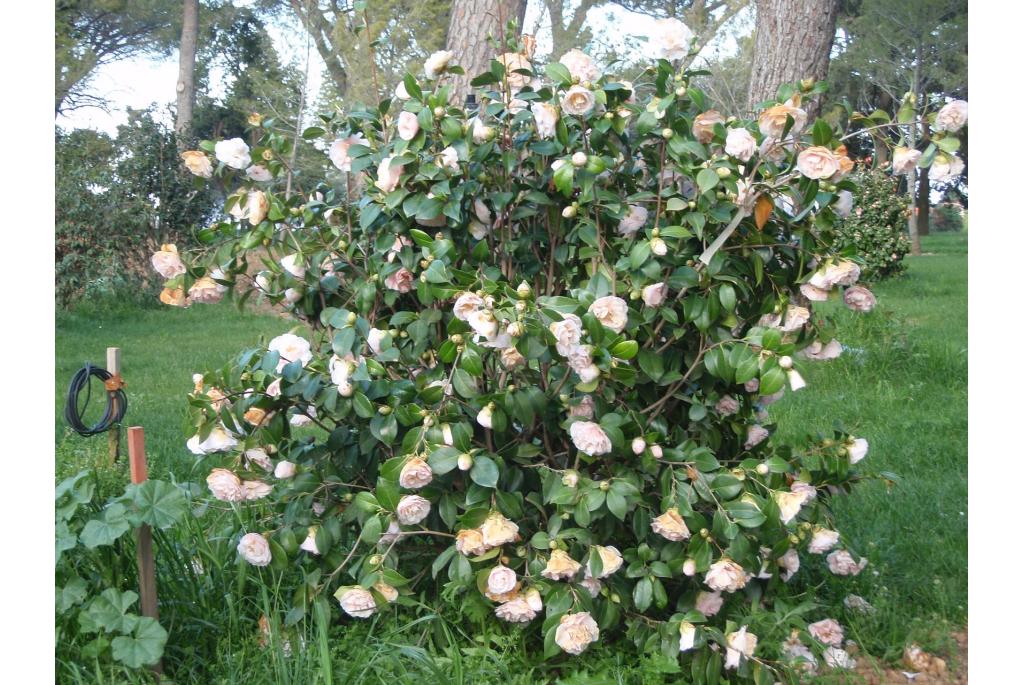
x=537 y=350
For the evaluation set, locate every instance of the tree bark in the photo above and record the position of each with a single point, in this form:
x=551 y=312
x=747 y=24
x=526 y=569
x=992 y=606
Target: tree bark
x=924 y=189
x=186 y=74
x=470 y=24
x=792 y=41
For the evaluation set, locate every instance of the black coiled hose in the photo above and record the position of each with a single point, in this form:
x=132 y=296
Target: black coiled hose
x=73 y=411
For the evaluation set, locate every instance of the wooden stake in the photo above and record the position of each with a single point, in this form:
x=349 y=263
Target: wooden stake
x=114 y=434
x=144 y=536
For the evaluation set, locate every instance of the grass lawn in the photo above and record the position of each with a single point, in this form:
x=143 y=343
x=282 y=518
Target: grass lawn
x=901 y=383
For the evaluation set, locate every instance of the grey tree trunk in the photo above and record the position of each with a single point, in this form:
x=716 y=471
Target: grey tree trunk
x=186 y=74
x=792 y=41
x=470 y=24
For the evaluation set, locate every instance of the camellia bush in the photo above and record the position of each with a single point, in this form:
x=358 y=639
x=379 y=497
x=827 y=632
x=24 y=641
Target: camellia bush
x=875 y=225
x=537 y=341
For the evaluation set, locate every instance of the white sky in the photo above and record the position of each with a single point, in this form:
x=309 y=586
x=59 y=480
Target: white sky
x=140 y=82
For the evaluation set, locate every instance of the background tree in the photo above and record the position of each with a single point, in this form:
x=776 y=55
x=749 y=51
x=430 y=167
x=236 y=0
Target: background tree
x=186 y=72
x=472 y=28
x=792 y=41
x=93 y=33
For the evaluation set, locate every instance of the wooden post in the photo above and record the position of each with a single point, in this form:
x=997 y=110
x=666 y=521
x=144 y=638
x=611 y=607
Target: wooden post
x=114 y=434
x=144 y=536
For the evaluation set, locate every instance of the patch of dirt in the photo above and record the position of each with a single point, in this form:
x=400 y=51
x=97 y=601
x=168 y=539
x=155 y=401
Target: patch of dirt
x=917 y=667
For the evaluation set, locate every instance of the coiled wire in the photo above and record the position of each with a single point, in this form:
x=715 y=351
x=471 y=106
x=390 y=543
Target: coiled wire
x=73 y=410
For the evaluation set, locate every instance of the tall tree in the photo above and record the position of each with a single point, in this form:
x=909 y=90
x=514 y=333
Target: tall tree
x=92 y=33
x=792 y=41
x=471 y=28
x=186 y=72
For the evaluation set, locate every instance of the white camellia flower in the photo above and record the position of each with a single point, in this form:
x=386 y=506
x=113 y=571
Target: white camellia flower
x=739 y=643
x=408 y=126
x=225 y=485
x=689 y=568
x=568 y=333
x=255 y=549
x=822 y=540
x=636 y=217
x=590 y=438
x=482 y=132
x=817 y=162
x=952 y=117
x=259 y=173
x=374 y=339
x=671 y=526
x=581 y=67
x=671 y=39
x=818 y=352
x=303 y=417
x=415 y=474
x=437 y=63
x=388 y=174
x=219 y=440
x=576 y=631
x=498 y=530
x=725 y=575
x=611 y=560
x=485 y=417
x=545 y=117
x=206 y=290
x=293 y=264
x=386 y=591
x=687 y=635
x=561 y=566
x=501 y=579
x=945 y=168
x=740 y=144
x=309 y=544
x=708 y=603
x=233 y=153
x=401 y=93
x=612 y=312
x=659 y=248
x=639 y=446
x=904 y=160
x=841 y=563
x=482 y=321
x=516 y=610
x=339 y=151
x=412 y=509
x=827 y=631
x=284 y=469
x=450 y=158
x=356 y=601
x=789 y=504
x=858 y=449
x=167 y=263
x=578 y=101
x=789 y=563
x=400 y=281
x=291 y=348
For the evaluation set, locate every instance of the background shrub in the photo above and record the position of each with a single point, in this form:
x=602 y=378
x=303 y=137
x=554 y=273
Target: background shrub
x=947 y=217
x=876 y=228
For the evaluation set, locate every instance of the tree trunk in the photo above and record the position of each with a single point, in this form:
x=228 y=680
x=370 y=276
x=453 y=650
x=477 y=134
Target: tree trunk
x=471 y=23
x=186 y=74
x=792 y=41
x=924 y=189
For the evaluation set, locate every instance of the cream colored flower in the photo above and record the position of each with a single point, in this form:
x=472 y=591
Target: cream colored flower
x=671 y=39
x=822 y=540
x=859 y=299
x=560 y=566
x=255 y=549
x=904 y=160
x=408 y=126
x=356 y=601
x=726 y=575
x=636 y=217
x=219 y=440
x=309 y=544
x=581 y=67
x=708 y=603
x=740 y=144
x=704 y=125
x=206 y=290
x=259 y=173
x=789 y=504
x=225 y=485
x=818 y=352
x=415 y=474
x=841 y=563
x=291 y=348
x=755 y=436
x=789 y=563
x=437 y=63
x=671 y=526
x=197 y=163
x=687 y=634
x=233 y=153
x=590 y=438
x=945 y=168
x=470 y=542
x=857 y=448
x=294 y=265
x=838 y=658
x=545 y=117
x=386 y=591
x=739 y=643
x=813 y=292
x=817 y=162
x=592 y=586
x=844 y=203
x=284 y=469
x=401 y=280
x=339 y=151
x=259 y=456
x=611 y=560
x=576 y=631
x=412 y=509
x=612 y=312
x=255 y=489
x=516 y=610
x=481 y=132
x=952 y=117
x=827 y=631
x=388 y=174
x=483 y=322
x=449 y=159
x=773 y=120
x=167 y=263
x=583 y=409
x=498 y=530
x=511 y=358
x=500 y=580
x=514 y=61
x=485 y=417
x=578 y=101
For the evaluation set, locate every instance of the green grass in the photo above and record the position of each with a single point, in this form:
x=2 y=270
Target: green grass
x=902 y=385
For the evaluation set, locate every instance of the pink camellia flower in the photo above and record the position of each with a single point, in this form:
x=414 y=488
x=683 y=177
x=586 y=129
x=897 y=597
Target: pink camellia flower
x=167 y=263
x=859 y=299
x=904 y=160
x=755 y=436
x=415 y=474
x=254 y=548
x=584 y=409
x=581 y=67
x=945 y=168
x=498 y=530
x=653 y=295
x=408 y=126
x=740 y=144
x=817 y=162
x=822 y=540
x=500 y=580
x=952 y=117
x=339 y=151
x=612 y=312
x=470 y=542
x=576 y=631
x=388 y=174
x=357 y=602
x=225 y=485
x=401 y=280
x=739 y=643
x=726 y=575
x=818 y=352
x=671 y=39
x=412 y=509
x=516 y=610
x=206 y=290
x=827 y=631
x=704 y=125
x=590 y=438
x=709 y=603
x=789 y=563
x=814 y=293
x=671 y=526
x=727 y=405
x=291 y=348
x=255 y=489
x=567 y=332
x=772 y=121
x=578 y=101
x=841 y=563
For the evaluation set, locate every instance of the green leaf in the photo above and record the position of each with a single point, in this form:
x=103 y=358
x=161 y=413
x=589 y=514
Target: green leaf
x=616 y=504
x=558 y=72
x=143 y=647
x=627 y=349
x=772 y=380
x=106 y=529
x=484 y=472
x=443 y=460
x=109 y=612
x=159 y=503
x=642 y=594
x=707 y=179
x=822 y=132
x=73 y=592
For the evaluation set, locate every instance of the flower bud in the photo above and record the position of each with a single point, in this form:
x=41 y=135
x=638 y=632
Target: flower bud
x=609 y=115
x=615 y=598
x=384 y=410
x=659 y=247
x=375 y=560
x=667 y=133
x=569 y=212
x=455 y=338
x=762 y=469
x=520 y=551
x=515 y=329
x=723 y=172
x=351 y=318
x=704 y=533
x=806 y=84
x=570 y=478
x=347 y=497
x=635 y=294
x=553 y=544
x=656 y=451
x=638 y=445
x=565 y=515
x=579 y=159
x=465 y=461
x=794 y=540
x=689 y=567
x=692 y=204
x=523 y=291
x=428 y=421
x=680 y=91
x=439 y=111
x=604 y=486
